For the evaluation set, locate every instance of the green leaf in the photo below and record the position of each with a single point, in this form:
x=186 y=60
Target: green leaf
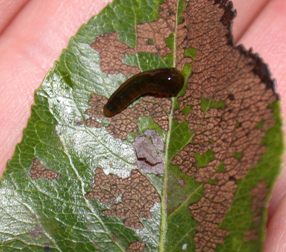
x=187 y=173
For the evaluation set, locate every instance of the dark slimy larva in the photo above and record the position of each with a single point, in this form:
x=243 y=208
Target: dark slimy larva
x=167 y=81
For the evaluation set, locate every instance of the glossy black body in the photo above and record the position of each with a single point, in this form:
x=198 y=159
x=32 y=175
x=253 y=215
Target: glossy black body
x=167 y=81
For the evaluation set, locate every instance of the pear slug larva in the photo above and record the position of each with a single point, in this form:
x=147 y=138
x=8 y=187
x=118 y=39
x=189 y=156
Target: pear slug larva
x=167 y=81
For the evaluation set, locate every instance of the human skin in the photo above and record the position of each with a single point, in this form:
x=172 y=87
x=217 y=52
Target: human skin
x=33 y=34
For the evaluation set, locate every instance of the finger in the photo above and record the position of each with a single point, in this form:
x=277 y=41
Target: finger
x=28 y=48
x=267 y=35
x=8 y=10
x=276 y=232
x=247 y=11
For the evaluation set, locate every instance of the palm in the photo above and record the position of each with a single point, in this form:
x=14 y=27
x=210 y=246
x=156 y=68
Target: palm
x=33 y=33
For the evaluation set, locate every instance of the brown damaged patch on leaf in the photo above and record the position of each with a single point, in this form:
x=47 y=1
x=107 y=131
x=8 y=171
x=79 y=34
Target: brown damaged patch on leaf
x=157 y=31
x=259 y=194
x=250 y=235
x=210 y=211
x=182 y=37
x=239 y=78
x=111 y=52
x=137 y=196
x=126 y=121
x=136 y=246
x=181 y=42
x=150 y=38
x=39 y=171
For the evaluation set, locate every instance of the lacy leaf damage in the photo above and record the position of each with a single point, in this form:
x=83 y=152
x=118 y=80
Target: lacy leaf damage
x=259 y=195
x=130 y=198
x=40 y=171
x=136 y=247
x=226 y=105
x=240 y=79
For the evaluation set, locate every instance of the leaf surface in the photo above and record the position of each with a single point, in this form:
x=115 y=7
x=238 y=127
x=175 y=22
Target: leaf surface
x=186 y=173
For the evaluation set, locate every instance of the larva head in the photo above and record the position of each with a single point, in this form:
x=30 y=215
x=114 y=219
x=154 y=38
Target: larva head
x=168 y=81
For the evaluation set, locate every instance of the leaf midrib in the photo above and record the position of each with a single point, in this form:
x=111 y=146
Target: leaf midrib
x=166 y=159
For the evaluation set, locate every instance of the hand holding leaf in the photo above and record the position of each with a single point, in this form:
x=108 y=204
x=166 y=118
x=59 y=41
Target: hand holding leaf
x=82 y=174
